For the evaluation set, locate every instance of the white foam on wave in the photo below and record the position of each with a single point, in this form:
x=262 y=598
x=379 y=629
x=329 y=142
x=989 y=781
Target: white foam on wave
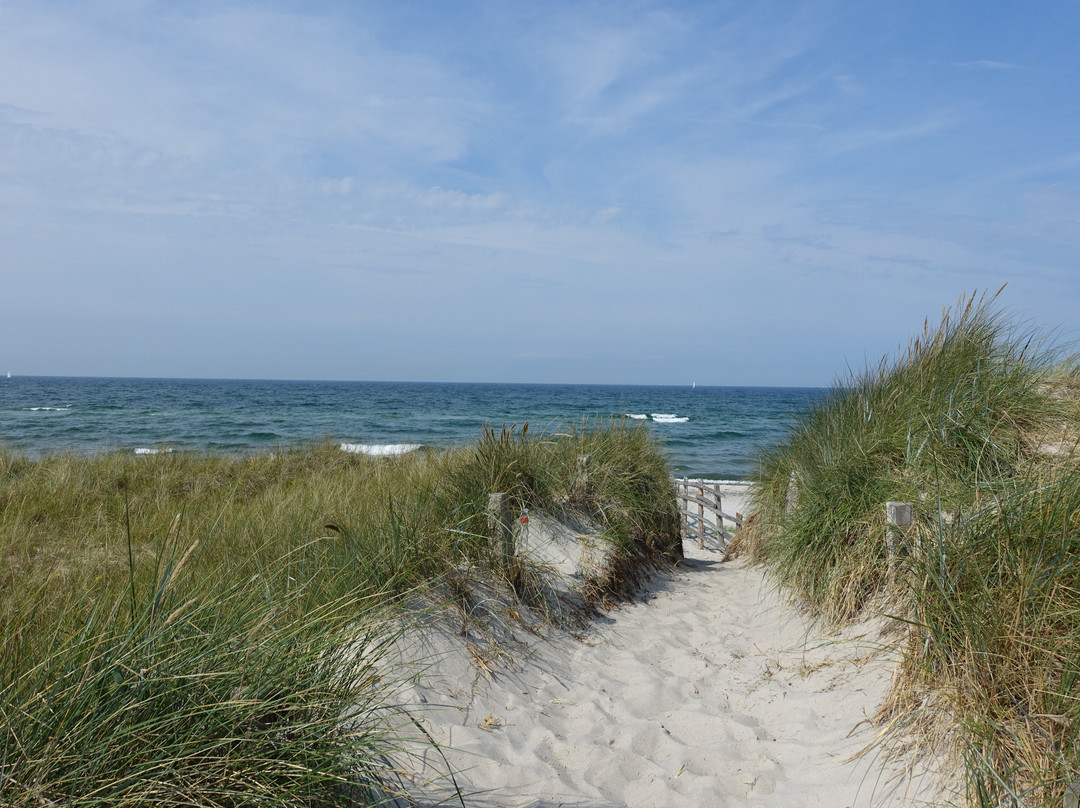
x=49 y=409
x=143 y=450
x=669 y=418
x=380 y=449
x=711 y=481
x=636 y=416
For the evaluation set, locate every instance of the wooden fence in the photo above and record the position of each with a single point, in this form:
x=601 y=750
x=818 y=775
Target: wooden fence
x=701 y=508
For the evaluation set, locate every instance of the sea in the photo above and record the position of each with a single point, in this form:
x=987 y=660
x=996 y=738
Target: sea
x=707 y=432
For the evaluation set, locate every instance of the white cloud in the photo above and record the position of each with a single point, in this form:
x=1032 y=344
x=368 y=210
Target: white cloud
x=459 y=201
x=856 y=139
x=238 y=84
x=611 y=73
x=989 y=64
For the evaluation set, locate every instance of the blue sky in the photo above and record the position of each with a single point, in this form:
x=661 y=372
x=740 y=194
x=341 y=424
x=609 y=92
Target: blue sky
x=632 y=192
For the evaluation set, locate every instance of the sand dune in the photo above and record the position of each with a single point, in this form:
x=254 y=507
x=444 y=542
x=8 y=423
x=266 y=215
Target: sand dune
x=709 y=691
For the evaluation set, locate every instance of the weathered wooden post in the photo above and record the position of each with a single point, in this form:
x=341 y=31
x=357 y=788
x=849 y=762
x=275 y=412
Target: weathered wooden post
x=684 y=507
x=700 y=516
x=792 y=494
x=500 y=526
x=898 y=519
x=581 y=478
x=1072 y=795
x=718 y=505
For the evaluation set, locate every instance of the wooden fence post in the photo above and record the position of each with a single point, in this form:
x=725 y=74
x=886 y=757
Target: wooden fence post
x=792 y=494
x=499 y=525
x=684 y=507
x=581 y=479
x=1072 y=795
x=701 y=516
x=898 y=519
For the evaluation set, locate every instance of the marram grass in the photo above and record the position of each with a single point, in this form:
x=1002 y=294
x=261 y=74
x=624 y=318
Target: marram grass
x=976 y=426
x=189 y=630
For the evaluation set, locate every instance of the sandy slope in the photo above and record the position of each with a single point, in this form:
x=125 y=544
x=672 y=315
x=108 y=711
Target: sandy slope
x=711 y=691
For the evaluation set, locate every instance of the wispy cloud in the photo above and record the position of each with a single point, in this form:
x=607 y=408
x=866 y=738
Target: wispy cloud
x=854 y=139
x=989 y=64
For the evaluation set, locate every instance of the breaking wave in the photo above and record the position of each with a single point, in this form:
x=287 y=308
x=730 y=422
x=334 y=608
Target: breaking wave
x=659 y=417
x=380 y=449
x=669 y=418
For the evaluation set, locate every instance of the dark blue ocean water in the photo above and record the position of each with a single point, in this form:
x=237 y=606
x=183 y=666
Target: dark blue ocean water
x=711 y=432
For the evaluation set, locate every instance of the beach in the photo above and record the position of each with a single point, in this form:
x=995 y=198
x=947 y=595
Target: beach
x=708 y=689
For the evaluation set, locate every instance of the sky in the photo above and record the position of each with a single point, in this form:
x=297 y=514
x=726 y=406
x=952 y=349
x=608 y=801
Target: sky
x=727 y=193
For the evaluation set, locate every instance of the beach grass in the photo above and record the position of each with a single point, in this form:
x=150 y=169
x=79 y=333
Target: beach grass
x=186 y=629
x=975 y=425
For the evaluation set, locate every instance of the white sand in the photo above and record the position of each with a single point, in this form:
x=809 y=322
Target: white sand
x=710 y=691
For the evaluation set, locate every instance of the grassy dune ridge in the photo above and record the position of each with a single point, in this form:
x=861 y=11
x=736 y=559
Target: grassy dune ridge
x=976 y=425
x=185 y=629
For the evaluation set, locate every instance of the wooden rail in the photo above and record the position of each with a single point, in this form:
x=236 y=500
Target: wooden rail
x=701 y=508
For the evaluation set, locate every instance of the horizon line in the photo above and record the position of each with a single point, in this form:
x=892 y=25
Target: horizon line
x=690 y=385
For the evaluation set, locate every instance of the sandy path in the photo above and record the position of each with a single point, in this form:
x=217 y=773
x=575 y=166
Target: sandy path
x=710 y=691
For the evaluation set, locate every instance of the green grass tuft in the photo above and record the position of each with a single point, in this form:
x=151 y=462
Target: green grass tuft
x=988 y=580
x=183 y=629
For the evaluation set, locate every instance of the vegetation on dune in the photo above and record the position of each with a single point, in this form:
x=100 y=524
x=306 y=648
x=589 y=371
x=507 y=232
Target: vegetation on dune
x=184 y=629
x=976 y=425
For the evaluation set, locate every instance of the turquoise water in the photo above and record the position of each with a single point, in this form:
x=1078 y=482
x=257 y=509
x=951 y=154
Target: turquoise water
x=711 y=432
